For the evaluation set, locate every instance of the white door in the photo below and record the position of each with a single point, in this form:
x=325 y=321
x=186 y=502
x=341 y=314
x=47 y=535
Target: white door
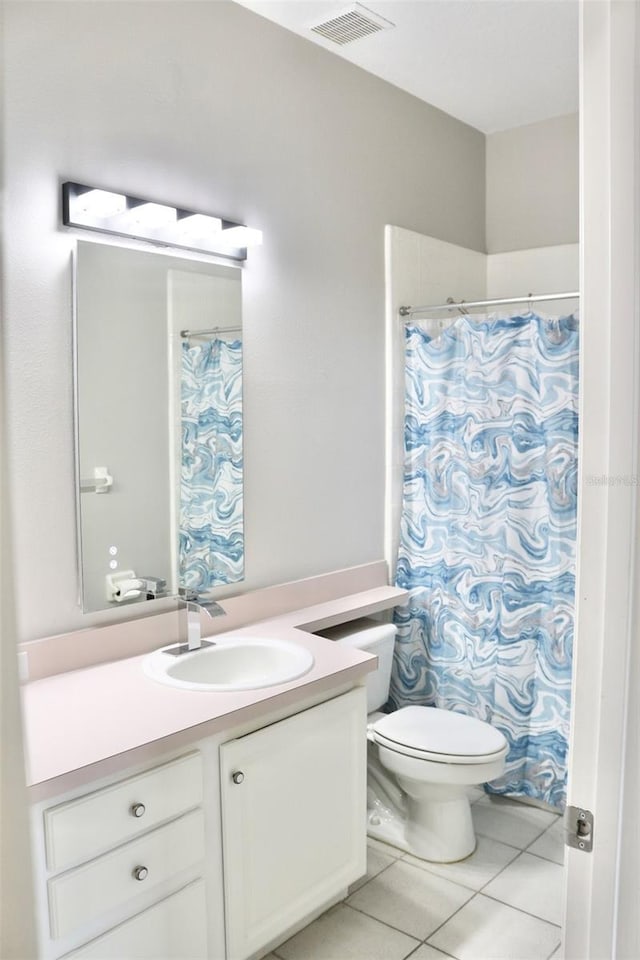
x=599 y=920
x=293 y=819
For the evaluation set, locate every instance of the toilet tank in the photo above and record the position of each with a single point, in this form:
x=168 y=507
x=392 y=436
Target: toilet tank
x=374 y=637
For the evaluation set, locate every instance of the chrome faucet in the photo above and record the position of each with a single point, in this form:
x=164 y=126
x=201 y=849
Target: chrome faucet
x=193 y=604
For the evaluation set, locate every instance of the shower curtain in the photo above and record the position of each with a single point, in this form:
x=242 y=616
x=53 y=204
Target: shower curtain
x=487 y=544
x=211 y=547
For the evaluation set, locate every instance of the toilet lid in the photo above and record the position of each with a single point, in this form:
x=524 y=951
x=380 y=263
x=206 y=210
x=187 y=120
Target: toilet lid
x=441 y=734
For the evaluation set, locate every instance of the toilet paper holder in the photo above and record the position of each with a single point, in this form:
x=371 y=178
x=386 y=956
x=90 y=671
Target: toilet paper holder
x=125 y=585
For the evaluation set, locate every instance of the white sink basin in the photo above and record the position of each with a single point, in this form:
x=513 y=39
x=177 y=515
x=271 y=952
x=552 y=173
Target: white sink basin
x=231 y=663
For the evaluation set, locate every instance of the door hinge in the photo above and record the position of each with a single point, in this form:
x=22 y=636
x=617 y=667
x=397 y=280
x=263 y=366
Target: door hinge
x=578 y=828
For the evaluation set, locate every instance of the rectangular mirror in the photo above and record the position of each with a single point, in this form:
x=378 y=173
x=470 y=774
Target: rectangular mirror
x=158 y=362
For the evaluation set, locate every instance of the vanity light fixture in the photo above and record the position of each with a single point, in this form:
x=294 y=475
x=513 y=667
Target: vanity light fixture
x=125 y=216
x=191 y=225
x=101 y=203
x=241 y=236
x=144 y=216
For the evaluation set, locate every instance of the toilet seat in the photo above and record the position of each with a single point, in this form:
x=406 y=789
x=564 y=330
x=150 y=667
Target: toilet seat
x=441 y=736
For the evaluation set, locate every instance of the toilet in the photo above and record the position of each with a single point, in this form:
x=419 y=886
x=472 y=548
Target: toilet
x=422 y=761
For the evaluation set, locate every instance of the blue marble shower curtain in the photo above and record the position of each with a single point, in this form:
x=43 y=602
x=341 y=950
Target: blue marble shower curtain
x=211 y=548
x=488 y=535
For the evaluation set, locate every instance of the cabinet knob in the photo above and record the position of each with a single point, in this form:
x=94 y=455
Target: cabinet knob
x=140 y=873
x=238 y=776
x=138 y=809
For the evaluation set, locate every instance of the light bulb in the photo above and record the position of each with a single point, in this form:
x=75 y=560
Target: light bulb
x=101 y=203
x=149 y=215
x=198 y=225
x=241 y=237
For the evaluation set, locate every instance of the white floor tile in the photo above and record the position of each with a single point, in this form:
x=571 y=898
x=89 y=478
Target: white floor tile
x=531 y=884
x=488 y=859
x=376 y=862
x=485 y=929
x=476 y=793
x=551 y=844
x=509 y=821
x=346 y=934
x=390 y=851
x=425 y=952
x=410 y=899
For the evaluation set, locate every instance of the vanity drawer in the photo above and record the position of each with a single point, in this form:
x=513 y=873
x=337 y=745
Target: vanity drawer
x=79 y=896
x=174 y=929
x=81 y=829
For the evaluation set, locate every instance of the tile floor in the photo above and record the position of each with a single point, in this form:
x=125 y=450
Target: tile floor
x=502 y=903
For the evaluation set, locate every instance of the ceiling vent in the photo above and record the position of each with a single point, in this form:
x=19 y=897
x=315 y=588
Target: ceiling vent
x=354 y=23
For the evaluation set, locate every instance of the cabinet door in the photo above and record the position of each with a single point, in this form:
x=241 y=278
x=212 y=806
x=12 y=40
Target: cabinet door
x=294 y=819
x=174 y=929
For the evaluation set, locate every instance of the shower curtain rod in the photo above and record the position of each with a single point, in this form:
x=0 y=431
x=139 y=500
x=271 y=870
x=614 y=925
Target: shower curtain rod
x=186 y=334
x=462 y=305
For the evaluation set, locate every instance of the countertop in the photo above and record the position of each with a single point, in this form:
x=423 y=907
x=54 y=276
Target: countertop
x=76 y=720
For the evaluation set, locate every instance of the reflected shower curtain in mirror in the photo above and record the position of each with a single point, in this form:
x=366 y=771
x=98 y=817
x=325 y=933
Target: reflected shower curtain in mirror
x=211 y=549
x=488 y=529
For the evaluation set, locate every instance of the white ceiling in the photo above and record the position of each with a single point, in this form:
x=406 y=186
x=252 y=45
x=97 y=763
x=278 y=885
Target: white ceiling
x=495 y=64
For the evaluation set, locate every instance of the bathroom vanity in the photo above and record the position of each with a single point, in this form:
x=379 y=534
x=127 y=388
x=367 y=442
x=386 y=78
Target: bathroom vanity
x=171 y=824
x=134 y=866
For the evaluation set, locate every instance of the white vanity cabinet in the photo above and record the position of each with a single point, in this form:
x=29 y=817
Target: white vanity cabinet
x=212 y=854
x=173 y=929
x=123 y=868
x=293 y=820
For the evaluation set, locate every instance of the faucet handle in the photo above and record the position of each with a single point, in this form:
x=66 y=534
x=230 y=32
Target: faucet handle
x=191 y=596
x=212 y=607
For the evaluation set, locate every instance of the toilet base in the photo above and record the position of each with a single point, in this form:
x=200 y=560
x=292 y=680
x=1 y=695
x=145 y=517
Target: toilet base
x=441 y=829
x=381 y=825
x=438 y=833
x=436 y=825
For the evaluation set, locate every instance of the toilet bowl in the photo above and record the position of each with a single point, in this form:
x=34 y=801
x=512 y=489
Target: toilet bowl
x=435 y=757
x=422 y=761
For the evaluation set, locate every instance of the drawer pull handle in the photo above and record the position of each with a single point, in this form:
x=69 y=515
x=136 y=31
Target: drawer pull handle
x=238 y=776
x=141 y=873
x=138 y=809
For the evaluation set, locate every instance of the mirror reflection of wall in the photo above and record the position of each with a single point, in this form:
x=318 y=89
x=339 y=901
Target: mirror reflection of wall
x=160 y=415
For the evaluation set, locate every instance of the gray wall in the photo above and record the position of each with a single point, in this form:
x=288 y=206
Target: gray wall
x=211 y=107
x=17 y=908
x=532 y=185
